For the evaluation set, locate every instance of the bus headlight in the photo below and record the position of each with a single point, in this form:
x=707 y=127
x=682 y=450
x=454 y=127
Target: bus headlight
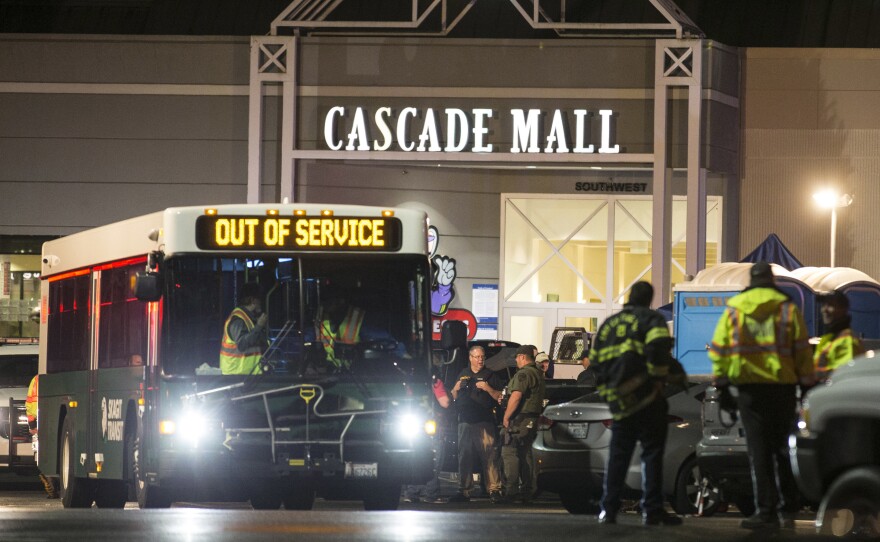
x=412 y=424
x=191 y=426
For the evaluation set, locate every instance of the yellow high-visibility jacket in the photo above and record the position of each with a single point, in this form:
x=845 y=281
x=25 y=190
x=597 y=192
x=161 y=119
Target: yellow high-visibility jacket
x=349 y=332
x=761 y=338
x=835 y=349
x=235 y=361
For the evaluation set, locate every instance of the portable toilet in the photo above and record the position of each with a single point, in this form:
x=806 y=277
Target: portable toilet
x=699 y=303
x=862 y=291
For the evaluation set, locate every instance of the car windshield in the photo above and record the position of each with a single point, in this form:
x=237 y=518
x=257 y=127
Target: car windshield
x=16 y=371
x=301 y=296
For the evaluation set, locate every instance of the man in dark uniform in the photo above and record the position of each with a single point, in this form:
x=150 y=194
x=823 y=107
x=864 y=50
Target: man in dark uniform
x=632 y=354
x=525 y=404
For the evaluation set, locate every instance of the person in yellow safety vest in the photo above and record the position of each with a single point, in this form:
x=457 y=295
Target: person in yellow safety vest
x=336 y=328
x=838 y=345
x=244 y=334
x=760 y=346
x=30 y=407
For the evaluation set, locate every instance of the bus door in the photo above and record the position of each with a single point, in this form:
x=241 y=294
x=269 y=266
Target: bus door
x=119 y=357
x=85 y=443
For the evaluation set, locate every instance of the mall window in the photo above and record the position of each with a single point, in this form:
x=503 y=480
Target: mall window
x=590 y=250
x=20 y=285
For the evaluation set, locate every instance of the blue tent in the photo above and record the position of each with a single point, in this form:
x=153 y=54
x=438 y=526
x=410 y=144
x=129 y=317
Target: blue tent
x=772 y=250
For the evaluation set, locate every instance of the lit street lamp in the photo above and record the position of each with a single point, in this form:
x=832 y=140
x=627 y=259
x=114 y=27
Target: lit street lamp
x=829 y=199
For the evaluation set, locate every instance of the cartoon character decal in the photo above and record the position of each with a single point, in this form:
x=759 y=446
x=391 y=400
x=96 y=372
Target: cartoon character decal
x=442 y=289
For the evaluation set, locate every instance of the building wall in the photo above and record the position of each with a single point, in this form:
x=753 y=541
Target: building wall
x=812 y=120
x=94 y=129
x=97 y=129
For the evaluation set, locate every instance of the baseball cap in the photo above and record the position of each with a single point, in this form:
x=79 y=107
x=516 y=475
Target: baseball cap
x=526 y=349
x=542 y=356
x=834 y=297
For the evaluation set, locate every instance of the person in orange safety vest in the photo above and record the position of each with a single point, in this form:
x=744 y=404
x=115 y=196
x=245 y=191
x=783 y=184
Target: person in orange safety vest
x=30 y=407
x=339 y=324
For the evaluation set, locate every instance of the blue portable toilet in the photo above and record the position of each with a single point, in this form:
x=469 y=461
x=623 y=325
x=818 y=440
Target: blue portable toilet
x=699 y=303
x=862 y=291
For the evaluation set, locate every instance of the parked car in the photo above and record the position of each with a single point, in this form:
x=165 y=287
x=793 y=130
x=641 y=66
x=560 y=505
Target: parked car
x=572 y=448
x=722 y=455
x=18 y=365
x=836 y=450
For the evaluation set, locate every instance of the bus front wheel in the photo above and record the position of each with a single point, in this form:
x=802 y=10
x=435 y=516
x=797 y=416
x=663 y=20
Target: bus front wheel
x=75 y=492
x=147 y=496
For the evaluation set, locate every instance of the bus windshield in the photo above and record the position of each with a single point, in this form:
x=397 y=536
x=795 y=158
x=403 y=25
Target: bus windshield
x=326 y=313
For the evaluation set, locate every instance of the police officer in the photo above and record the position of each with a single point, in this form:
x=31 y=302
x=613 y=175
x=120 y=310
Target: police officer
x=838 y=345
x=632 y=354
x=525 y=403
x=244 y=334
x=760 y=346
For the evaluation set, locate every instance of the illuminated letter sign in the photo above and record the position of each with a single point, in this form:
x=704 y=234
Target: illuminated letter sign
x=298 y=233
x=416 y=130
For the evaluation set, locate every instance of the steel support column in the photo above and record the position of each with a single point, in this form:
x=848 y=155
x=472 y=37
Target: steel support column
x=678 y=63
x=273 y=62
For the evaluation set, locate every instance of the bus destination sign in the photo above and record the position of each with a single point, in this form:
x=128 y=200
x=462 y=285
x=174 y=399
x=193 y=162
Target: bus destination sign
x=324 y=233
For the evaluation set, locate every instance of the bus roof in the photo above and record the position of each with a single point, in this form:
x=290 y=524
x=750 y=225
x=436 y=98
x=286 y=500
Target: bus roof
x=173 y=231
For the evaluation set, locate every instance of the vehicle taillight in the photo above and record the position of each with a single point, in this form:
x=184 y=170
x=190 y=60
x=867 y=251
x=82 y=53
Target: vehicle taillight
x=544 y=423
x=607 y=423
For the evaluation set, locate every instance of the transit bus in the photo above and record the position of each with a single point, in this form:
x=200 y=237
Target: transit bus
x=134 y=404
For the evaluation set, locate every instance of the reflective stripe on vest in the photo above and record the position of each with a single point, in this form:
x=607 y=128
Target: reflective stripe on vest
x=767 y=340
x=232 y=360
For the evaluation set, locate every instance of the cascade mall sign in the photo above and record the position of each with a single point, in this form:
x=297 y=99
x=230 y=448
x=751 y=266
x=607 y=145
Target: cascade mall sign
x=465 y=131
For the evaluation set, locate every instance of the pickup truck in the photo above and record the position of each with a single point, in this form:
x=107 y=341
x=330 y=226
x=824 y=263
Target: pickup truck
x=835 y=451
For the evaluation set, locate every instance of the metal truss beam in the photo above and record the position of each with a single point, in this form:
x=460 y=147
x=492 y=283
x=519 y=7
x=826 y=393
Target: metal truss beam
x=313 y=16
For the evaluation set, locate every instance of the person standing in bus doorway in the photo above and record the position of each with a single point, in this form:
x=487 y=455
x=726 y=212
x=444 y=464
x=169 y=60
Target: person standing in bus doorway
x=244 y=334
x=31 y=409
x=838 y=345
x=476 y=392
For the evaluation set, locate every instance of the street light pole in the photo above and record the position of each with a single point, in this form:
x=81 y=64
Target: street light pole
x=830 y=199
x=833 y=234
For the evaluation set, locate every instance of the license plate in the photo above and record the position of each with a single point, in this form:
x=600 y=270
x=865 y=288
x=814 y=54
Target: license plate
x=361 y=470
x=577 y=430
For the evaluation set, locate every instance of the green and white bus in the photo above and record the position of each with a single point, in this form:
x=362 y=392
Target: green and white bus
x=134 y=406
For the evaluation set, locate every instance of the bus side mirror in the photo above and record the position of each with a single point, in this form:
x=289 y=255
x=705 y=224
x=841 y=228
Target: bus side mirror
x=148 y=286
x=453 y=334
